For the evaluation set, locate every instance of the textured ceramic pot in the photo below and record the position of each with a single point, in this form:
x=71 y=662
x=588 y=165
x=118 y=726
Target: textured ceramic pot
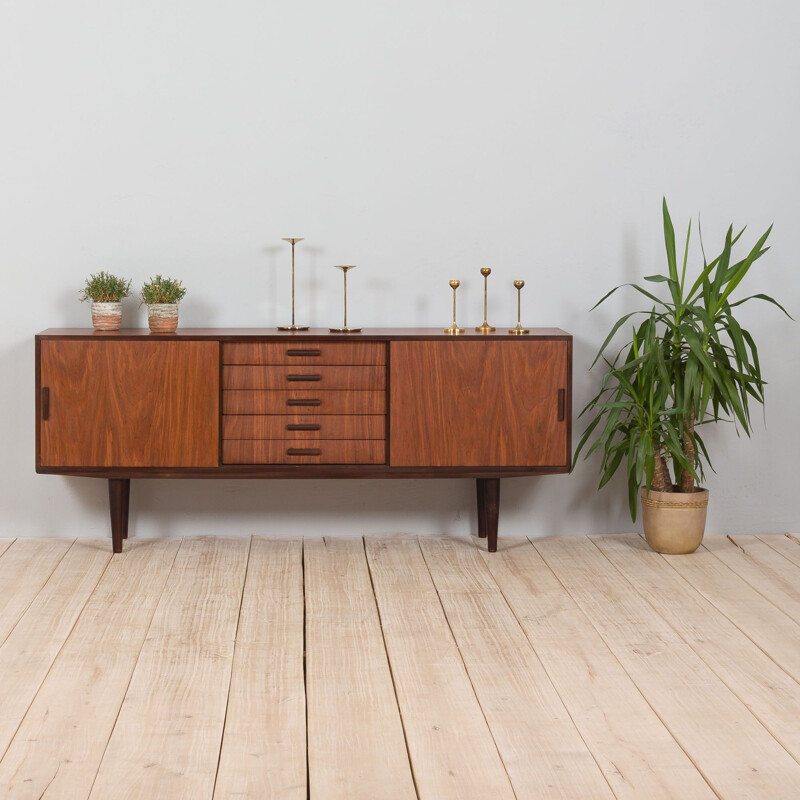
x=162 y=317
x=674 y=522
x=107 y=316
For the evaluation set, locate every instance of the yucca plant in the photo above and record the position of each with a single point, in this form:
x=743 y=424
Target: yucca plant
x=689 y=363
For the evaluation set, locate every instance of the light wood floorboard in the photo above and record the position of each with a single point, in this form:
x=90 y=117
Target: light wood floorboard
x=787 y=546
x=355 y=737
x=58 y=747
x=30 y=649
x=635 y=750
x=264 y=743
x=167 y=739
x=399 y=668
x=541 y=748
x=735 y=753
x=767 y=571
x=25 y=567
x=770 y=694
x=774 y=631
x=452 y=751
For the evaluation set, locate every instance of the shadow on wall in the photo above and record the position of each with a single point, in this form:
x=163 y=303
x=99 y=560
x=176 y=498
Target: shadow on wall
x=184 y=507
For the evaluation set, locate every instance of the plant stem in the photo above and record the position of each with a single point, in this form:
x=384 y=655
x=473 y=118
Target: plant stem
x=661 y=477
x=687 y=480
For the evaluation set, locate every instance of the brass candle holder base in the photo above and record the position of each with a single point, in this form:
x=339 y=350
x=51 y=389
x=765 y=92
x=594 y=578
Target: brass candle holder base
x=454 y=330
x=292 y=327
x=519 y=330
x=345 y=330
x=486 y=327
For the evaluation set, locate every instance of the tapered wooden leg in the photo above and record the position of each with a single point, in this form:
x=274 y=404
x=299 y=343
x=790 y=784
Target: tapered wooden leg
x=118 y=500
x=126 y=504
x=480 y=486
x=492 y=510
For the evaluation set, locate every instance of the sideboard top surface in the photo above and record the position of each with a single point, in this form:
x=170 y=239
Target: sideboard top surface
x=373 y=334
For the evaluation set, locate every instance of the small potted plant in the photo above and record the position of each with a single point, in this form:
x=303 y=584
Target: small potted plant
x=106 y=291
x=689 y=363
x=162 y=296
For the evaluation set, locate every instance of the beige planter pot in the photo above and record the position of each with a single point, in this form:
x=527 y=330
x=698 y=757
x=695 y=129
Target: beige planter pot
x=163 y=317
x=674 y=522
x=107 y=316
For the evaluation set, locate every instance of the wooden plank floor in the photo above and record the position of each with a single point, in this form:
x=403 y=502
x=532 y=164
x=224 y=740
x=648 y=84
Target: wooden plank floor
x=395 y=668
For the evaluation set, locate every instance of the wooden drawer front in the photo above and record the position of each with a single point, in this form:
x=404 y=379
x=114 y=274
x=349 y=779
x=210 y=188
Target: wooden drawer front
x=305 y=353
x=303 y=402
x=278 y=451
x=314 y=427
x=324 y=378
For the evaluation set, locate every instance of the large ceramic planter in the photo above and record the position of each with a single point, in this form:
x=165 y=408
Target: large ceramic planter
x=107 y=316
x=162 y=317
x=674 y=522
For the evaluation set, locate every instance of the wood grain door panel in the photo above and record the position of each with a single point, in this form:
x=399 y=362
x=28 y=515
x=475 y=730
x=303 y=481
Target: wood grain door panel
x=130 y=404
x=470 y=404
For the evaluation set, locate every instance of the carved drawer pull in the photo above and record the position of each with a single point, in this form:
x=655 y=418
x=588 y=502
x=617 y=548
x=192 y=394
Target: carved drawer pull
x=304 y=427
x=303 y=451
x=294 y=402
x=304 y=377
x=304 y=352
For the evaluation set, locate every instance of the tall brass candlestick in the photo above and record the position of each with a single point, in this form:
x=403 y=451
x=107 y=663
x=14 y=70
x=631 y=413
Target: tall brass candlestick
x=519 y=330
x=345 y=329
x=486 y=327
x=293 y=241
x=454 y=329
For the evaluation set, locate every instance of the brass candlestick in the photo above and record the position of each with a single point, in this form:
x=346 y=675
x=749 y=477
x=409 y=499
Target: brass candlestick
x=454 y=329
x=293 y=241
x=519 y=330
x=486 y=327
x=345 y=329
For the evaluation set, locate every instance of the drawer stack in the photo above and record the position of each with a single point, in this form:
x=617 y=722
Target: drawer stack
x=304 y=403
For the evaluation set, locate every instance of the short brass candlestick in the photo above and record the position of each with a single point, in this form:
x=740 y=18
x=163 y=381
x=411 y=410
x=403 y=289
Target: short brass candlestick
x=345 y=329
x=486 y=327
x=293 y=241
x=519 y=330
x=454 y=329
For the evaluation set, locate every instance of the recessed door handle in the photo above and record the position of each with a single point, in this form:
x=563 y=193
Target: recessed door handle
x=562 y=404
x=303 y=451
x=45 y=403
x=304 y=427
x=304 y=377
x=294 y=402
x=304 y=352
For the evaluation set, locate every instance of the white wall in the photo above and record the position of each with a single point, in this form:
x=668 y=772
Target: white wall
x=420 y=141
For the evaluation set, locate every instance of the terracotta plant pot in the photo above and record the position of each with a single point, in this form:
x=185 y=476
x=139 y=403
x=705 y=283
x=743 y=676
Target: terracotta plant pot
x=163 y=317
x=674 y=522
x=106 y=316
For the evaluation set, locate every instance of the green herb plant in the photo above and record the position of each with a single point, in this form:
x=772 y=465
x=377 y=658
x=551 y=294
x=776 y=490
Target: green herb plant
x=105 y=288
x=162 y=290
x=689 y=362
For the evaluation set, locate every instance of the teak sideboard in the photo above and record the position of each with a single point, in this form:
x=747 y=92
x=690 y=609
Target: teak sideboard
x=253 y=403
